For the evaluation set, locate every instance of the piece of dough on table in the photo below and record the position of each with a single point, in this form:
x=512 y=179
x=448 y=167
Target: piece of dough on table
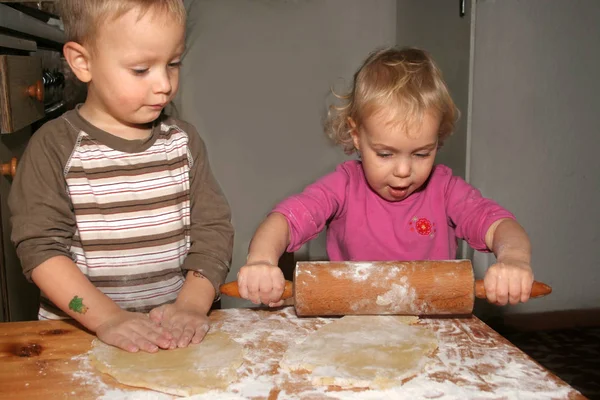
x=212 y=364
x=363 y=351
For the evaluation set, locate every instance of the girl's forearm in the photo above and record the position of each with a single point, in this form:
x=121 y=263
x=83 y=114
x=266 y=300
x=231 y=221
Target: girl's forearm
x=270 y=240
x=509 y=241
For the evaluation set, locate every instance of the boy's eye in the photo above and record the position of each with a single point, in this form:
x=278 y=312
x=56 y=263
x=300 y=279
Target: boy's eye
x=139 y=71
x=176 y=64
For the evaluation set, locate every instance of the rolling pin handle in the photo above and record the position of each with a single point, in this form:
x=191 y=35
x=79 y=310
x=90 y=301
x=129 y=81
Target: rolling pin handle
x=231 y=289
x=538 y=289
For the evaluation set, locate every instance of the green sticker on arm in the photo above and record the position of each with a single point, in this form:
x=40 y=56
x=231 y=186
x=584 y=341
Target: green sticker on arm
x=77 y=305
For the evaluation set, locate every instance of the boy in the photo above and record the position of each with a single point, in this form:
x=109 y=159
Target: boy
x=115 y=210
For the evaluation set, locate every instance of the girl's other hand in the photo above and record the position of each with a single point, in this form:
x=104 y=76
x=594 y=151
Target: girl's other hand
x=508 y=281
x=261 y=282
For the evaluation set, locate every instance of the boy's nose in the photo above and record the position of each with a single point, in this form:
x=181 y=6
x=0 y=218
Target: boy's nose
x=163 y=84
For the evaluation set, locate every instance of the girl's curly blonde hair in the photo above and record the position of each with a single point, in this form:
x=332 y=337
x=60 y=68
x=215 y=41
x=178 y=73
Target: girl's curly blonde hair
x=405 y=81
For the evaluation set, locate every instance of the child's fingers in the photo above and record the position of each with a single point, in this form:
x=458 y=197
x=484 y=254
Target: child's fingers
x=514 y=291
x=277 y=291
x=144 y=338
x=145 y=345
x=155 y=334
x=200 y=333
x=126 y=344
x=242 y=285
x=277 y=304
x=490 y=282
x=176 y=331
x=131 y=347
x=156 y=314
x=526 y=289
x=265 y=292
x=501 y=290
x=253 y=289
x=186 y=336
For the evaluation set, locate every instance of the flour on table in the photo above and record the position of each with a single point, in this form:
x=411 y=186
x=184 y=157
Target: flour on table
x=471 y=362
x=363 y=351
x=194 y=369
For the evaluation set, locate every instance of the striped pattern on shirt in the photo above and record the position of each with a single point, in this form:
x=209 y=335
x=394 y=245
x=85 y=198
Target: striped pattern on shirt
x=133 y=219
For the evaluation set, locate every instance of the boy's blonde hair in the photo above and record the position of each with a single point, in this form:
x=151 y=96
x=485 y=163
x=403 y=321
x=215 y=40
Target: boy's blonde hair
x=405 y=81
x=83 y=18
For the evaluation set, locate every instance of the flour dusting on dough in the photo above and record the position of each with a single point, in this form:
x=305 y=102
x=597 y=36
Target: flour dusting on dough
x=211 y=364
x=363 y=351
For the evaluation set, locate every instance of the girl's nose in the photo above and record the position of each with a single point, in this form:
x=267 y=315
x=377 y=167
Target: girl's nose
x=403 y=168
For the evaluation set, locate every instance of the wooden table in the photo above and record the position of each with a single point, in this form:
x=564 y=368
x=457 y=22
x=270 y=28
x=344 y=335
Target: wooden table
x=47 y=360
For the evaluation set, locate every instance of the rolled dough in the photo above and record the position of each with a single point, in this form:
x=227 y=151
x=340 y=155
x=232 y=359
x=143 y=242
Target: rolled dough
x=363 y=351
x=195 y=369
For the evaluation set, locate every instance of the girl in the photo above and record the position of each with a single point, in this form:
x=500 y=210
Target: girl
x=394 y=203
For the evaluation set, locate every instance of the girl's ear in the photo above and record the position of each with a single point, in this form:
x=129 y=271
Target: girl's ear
x=354 y=133
x=79 y=61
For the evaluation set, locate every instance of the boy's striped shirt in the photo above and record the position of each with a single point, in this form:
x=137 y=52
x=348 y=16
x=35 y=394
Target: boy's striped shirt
x=132 y=213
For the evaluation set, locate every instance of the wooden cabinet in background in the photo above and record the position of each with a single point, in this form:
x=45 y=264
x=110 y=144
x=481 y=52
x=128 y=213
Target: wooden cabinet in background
x=34 y=80
x=21 y=92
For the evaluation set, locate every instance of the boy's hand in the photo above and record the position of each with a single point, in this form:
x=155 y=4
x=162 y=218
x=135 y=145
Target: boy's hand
x=186 y=325
x=261 y=282
x=133 y=331
x=508 y=281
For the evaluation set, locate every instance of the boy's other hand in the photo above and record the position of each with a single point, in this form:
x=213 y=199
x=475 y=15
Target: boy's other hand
x=261 y=282
x=133 y=331
x=185 y=324
x=508 y=281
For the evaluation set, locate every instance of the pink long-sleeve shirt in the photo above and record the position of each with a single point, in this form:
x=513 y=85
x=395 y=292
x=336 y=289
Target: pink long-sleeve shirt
x=364 y=227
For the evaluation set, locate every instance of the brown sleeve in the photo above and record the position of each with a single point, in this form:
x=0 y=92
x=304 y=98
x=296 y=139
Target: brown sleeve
x=211 y=229
x=43 y=223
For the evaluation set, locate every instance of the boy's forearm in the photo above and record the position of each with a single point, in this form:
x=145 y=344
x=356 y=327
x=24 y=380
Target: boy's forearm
x=64 y=284
x=197 y=293
x=509 y=241
x=270 y=240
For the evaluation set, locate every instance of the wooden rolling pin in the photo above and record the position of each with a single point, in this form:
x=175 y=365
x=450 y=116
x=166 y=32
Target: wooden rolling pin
x=384 y=287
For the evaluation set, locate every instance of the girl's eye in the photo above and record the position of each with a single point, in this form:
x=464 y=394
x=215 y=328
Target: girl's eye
x=384 y=155
x=176 y=64
x=423 y=155
x=139 y=71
